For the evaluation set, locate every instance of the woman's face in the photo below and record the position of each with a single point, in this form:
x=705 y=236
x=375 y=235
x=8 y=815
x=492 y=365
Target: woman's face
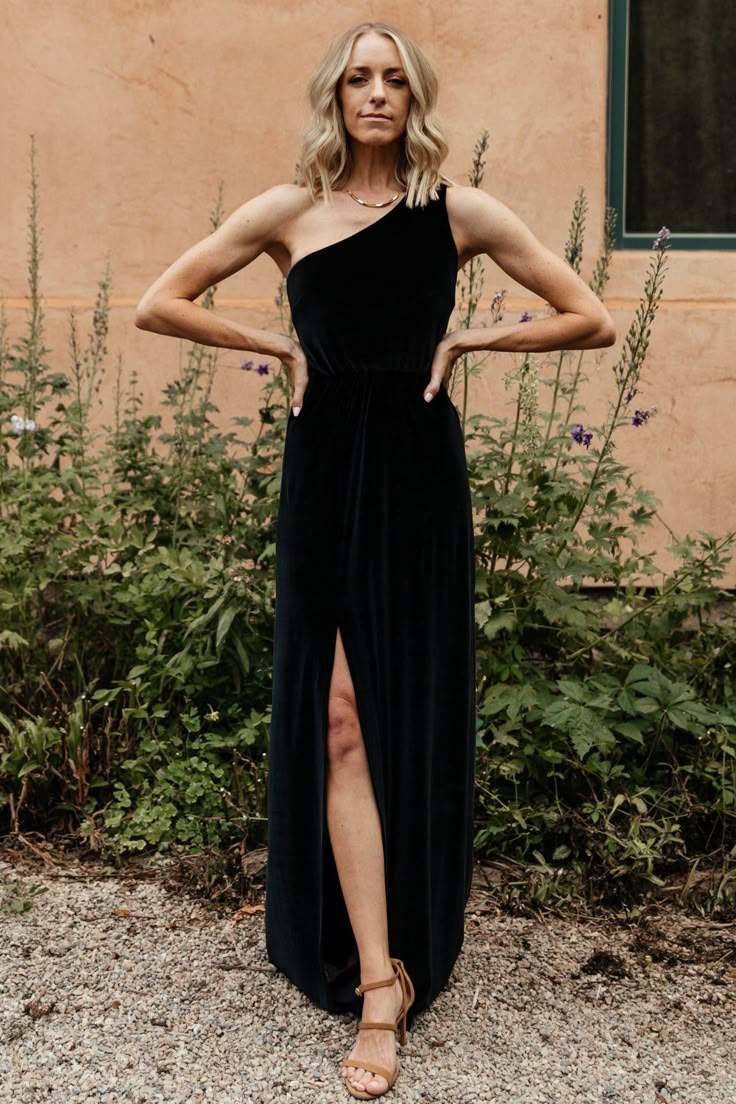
x=374 y=83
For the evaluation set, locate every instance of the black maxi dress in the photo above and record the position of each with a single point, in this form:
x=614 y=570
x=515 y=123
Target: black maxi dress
x=374 y=536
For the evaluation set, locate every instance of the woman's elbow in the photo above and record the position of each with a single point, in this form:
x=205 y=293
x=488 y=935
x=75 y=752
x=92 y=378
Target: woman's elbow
x=143 y=317
x=606 y=331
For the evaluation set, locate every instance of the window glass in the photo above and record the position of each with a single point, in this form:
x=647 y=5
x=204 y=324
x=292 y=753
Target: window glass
x=681 y=116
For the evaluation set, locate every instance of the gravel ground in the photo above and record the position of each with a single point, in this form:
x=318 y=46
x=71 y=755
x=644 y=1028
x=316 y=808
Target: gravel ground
x=112 y=990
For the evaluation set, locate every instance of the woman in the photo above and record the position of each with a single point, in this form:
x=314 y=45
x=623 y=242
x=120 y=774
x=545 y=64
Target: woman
x=372 y=741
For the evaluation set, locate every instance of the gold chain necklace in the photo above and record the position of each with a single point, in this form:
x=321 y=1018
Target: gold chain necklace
x=365 y=204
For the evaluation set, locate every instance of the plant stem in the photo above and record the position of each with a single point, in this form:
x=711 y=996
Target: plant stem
x=554 y=396
x=664 y=593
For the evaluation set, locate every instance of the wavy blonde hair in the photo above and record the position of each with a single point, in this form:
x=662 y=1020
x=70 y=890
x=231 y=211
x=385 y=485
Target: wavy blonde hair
x=325 y=162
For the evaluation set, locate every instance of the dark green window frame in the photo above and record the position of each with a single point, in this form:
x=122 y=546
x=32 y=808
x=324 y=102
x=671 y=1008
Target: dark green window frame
x=617 y=66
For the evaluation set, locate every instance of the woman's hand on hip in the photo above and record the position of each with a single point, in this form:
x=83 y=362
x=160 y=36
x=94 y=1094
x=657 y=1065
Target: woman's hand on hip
x=296 y=366
x=445 y=355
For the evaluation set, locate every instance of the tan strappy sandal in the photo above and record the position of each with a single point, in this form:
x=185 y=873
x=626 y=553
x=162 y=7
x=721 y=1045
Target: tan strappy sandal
x=407 y=990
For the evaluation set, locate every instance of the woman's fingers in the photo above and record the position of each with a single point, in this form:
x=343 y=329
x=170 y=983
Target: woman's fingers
x=433 y=387
x=300 y=379
x=297 y=368
x=444 y=358
x=439 y=378
x=297 y=399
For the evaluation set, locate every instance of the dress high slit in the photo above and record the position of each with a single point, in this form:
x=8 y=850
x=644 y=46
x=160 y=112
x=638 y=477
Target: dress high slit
x=374 y=537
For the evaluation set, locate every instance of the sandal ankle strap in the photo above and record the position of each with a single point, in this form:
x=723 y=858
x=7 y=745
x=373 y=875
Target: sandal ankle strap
x=360 y=989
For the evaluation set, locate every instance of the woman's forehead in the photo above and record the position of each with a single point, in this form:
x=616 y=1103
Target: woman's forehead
x=372 y=49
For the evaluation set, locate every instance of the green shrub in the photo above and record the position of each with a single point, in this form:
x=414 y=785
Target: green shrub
x=606 y=693
x=137 y=599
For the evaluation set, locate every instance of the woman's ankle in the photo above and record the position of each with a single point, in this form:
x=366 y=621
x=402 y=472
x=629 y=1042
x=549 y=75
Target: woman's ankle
x=376 y=969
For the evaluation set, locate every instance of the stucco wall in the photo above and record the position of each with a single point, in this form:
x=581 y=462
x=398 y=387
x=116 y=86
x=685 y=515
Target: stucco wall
x=140 y=110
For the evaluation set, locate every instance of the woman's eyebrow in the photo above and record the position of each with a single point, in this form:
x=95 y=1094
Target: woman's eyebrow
x=367 y=69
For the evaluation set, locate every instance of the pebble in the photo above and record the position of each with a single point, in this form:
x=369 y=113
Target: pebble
x=114 y=991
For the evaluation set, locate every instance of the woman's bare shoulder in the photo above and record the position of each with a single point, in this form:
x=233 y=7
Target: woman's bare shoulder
x=289 y=197
x=466 y=201
x=275 y=206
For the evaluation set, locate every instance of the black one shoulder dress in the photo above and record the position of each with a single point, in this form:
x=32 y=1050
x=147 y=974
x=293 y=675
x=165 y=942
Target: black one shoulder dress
x=374 y=536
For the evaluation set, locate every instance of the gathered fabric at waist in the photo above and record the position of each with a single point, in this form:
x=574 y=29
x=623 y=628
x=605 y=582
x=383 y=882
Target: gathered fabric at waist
x=379 y=390
x=338 y=371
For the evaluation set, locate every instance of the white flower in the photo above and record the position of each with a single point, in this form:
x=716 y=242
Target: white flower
x=19 y=425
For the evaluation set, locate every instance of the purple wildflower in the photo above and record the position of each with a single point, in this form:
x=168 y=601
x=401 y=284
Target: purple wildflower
x=642 y=416
x=526 y=317
x=247 y=365
x=582 y=438
x=630 y=394
x=277 y=300
x=662 y=239
x=262 y=369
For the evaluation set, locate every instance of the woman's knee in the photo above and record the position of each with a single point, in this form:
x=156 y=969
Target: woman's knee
x=343 y=728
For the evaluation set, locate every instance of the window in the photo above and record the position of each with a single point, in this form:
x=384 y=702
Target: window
x=671 y=128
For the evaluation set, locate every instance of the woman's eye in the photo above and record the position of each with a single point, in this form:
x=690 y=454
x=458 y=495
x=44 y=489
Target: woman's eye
x=392 y=80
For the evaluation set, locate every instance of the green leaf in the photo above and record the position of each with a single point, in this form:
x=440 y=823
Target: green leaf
x=628 y=729
x=205 y=618
x=647 y=705
x=223 y=625
x=497 y=623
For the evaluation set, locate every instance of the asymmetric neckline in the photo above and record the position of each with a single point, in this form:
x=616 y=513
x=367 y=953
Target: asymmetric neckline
x=350 y=237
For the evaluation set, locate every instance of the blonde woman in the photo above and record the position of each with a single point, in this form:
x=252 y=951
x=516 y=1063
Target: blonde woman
x=371 y=757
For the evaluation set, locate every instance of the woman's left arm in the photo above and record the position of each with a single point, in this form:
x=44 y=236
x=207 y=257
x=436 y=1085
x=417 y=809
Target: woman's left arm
x=482 y=224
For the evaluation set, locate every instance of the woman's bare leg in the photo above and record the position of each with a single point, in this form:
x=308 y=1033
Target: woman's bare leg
x=355 y=834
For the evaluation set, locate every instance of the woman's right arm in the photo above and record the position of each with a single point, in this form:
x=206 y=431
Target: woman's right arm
x=167 y=306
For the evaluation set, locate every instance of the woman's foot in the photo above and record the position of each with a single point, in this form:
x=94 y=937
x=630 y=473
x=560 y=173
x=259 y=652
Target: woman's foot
x=375 y=1044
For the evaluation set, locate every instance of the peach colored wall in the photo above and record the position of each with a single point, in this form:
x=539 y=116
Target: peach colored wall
x=140 y=110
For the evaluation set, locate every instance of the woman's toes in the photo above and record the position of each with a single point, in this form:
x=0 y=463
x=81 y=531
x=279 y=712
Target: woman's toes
x=373 y=1081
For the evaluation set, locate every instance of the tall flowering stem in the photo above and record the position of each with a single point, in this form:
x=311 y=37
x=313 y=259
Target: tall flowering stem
x=525 y=430
x=4 y=403
x=86 y=378
x=602 y=271
x=627 y=369
x=34 y=382
x=509 y=380
x=190 y=398
x=597 y=284
x=33 y=343
x=574 y=257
